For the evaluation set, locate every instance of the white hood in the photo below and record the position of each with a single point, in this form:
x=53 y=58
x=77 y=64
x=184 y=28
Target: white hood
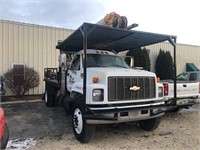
x=118 y=72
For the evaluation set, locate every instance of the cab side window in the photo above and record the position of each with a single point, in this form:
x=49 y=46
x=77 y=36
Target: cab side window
x=76 y=63
x=193 y=77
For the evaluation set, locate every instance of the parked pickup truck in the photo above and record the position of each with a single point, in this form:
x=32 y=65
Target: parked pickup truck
x=188 y=93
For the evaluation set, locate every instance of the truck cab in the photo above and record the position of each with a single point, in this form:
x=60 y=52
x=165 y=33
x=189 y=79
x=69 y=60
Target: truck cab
x=110 y=81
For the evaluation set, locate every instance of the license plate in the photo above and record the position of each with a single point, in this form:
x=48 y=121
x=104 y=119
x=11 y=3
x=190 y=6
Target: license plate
x=134 y=113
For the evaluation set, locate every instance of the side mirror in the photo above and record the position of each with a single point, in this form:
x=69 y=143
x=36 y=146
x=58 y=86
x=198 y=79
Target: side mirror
x=62 y=60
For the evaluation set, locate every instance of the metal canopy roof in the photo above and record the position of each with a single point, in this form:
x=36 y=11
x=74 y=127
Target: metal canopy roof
x=109 y=38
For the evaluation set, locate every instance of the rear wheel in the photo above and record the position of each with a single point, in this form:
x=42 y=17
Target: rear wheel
x=49 y=96
x=150 y=124
x=176 y=109
x=83 y=132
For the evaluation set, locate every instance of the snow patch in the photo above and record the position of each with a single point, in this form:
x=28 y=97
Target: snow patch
x=19 y=144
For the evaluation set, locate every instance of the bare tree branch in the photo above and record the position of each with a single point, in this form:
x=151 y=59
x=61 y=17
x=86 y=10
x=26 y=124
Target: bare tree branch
x=25 y=81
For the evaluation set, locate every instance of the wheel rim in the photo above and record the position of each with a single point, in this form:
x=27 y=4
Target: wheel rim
x=78 y=121
x=46 y=97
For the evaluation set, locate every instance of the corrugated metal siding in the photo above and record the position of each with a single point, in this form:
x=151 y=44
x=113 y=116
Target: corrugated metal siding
x=184 y=54
x=32 y=45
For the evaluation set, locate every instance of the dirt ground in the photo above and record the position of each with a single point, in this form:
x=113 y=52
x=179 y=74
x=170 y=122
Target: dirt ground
x=51 y=130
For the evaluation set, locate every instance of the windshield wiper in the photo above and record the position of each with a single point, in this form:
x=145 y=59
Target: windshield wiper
x=118 y=66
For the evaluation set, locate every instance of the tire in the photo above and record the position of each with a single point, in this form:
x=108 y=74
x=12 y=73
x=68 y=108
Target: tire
x=68 y=106
x=175 y=109
x=150 y=124
x=5 y=137
x=49 y=96
x=83 y=132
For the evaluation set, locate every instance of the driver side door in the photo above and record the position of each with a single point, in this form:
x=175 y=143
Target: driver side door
x=74 y=73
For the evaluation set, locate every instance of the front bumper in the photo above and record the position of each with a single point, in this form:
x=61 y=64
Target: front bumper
x=188 y=102
x=123 y=113
x=184 y=102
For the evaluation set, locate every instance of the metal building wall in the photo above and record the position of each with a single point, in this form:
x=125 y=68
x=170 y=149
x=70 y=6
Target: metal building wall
x=32 y=45
x=184 y=54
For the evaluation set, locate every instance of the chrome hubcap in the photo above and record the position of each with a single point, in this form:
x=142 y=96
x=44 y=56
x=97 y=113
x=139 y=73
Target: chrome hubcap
x=78 y=121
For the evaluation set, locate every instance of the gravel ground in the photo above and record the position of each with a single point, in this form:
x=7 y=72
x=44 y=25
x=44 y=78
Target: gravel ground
x=52 y=130
x=179 y=131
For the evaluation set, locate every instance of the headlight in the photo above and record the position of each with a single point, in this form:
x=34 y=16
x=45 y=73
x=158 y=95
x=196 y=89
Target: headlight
x=97 y=95
x=160 y=92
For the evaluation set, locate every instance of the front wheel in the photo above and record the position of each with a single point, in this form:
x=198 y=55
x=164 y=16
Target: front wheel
x=83 y=132
x=150 y=124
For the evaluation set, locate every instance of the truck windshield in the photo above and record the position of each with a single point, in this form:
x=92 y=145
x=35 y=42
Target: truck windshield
x=100 y=60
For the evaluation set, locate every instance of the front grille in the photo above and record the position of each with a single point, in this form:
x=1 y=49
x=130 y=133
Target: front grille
x=119 y=88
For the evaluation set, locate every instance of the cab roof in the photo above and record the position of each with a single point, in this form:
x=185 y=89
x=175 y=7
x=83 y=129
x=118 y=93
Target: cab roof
x=102 y=52
x=109 y=38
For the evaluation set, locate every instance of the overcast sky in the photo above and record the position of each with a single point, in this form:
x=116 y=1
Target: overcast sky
x=173 y=17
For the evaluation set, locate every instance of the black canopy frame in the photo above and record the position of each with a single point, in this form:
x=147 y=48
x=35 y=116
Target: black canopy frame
x=94 y=36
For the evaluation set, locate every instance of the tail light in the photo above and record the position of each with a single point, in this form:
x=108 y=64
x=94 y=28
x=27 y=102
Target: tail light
x=2 y=122
x=165 y=89
x=199 y=87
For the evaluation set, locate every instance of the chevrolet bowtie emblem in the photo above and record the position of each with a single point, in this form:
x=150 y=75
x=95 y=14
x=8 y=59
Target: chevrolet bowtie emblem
x=134 y=88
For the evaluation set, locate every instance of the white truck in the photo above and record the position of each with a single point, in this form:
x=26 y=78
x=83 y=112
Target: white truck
x=188 y=90
x=98 y=87
x=188 y=93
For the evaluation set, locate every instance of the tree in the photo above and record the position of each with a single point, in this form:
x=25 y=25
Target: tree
x=19 y=84
x=164 y=65
x=141 y=58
